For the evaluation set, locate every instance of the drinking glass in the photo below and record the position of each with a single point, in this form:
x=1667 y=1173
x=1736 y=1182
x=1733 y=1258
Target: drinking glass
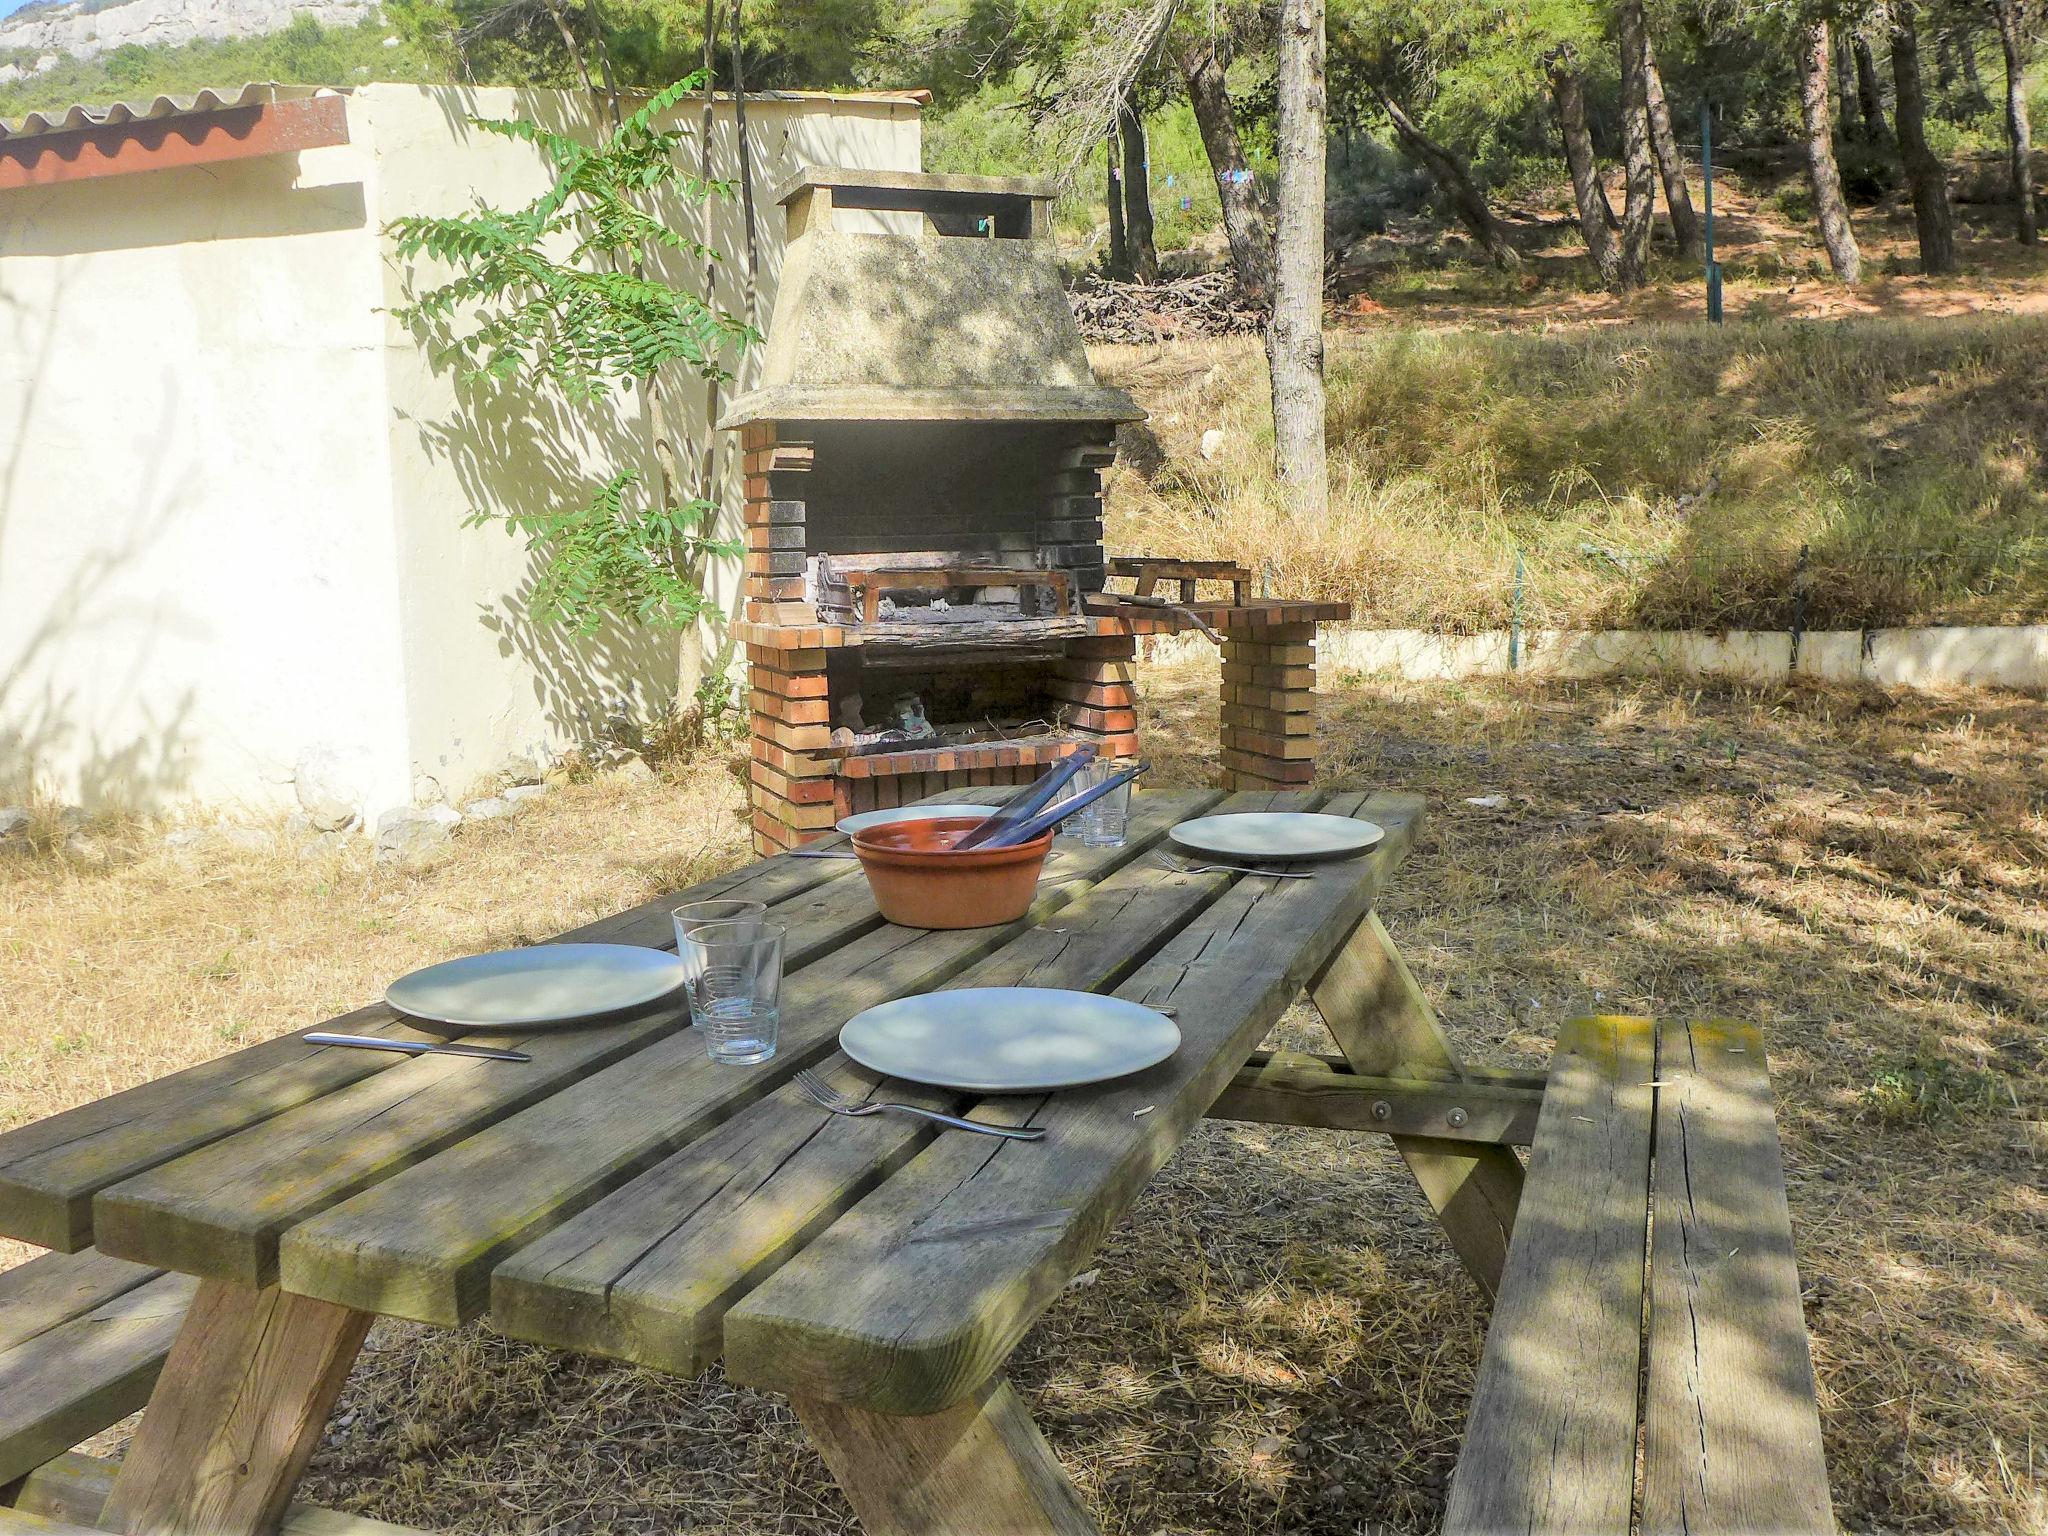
x=734 y=974
x=1103 y=823
x=691 y=913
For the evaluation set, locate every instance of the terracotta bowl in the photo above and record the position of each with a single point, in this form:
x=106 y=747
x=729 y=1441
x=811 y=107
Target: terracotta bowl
x=921 y=881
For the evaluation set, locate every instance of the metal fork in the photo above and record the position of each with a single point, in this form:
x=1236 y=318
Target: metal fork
x=839 y=1104
x=1180 y=868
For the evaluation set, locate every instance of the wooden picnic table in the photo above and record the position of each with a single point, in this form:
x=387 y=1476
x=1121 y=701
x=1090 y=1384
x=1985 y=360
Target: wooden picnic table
x=622 y=1195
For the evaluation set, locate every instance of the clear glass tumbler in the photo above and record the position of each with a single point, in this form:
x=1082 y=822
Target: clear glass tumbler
x=716 y=910
x=1104 y=823
x=734 y=974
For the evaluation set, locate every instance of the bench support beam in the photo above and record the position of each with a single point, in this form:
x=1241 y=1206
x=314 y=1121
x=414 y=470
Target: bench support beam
x=236 y=1413
x=979 y=1466
x=1386 y=1028
x=1293 y=1088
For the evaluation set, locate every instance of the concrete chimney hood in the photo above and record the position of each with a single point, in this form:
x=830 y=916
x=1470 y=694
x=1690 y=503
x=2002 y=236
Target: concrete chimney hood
x=965 y=322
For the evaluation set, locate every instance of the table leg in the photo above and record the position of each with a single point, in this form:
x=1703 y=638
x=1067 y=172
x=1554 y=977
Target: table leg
x=241 y=1403
x=979 y=1468
x=1386 y=1028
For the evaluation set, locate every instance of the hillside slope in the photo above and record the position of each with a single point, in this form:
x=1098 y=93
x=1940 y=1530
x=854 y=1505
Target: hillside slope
x=37 y=36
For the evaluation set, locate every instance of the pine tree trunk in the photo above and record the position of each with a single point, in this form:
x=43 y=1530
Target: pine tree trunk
x=1945 y=63
x=1118 y=264
x=1926 y=177
x=2018 y=133
x=1639 y=162
x=1975 y=97
x=1244 y=219
x=1869 y=91
x=1454 y=176
x=1138 y=197
x=1685 y=223
x=1852 y=127
x=1294 y=341
x=1568 y=91
x=1822 y=173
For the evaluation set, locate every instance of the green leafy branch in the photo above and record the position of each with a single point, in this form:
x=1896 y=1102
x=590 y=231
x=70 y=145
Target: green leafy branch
x=563 y=292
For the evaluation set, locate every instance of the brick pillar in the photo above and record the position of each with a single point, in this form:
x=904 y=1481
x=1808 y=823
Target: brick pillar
x=1096 y=685
x=787 y=698
x=1269 y=707
x=792 y=786
x=775 y=549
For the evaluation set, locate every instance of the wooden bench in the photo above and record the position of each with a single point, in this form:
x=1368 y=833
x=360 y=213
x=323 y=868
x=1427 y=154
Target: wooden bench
x=82 y=1337
x=1650 y=1302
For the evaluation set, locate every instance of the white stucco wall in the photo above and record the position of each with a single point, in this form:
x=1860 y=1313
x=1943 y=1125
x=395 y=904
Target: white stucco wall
x=481 y=681
x=232 y=489
x=197 y=573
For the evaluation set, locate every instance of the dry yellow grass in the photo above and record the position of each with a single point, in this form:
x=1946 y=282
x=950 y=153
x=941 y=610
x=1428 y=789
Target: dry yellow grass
x=1658 y=475
x=1277 y=1341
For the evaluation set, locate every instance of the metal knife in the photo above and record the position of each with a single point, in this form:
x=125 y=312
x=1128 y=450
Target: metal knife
x=414 y=1047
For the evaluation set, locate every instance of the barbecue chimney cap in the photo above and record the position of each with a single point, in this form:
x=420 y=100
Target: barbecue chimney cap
x=966 y=321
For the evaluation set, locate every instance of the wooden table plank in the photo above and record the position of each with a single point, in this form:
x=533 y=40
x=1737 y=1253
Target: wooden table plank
x=50 y=1170
x=648 y=1273
x=1731 y=1431
x=53 y=1289
x=97 y=1366
x=913 y=1300
x=217 y=1212
x=1551 y=1441
x=422 y=1244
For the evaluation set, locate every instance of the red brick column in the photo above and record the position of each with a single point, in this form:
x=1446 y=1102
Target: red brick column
x=1269 y=707
x=1095 y=684
x=792 y=786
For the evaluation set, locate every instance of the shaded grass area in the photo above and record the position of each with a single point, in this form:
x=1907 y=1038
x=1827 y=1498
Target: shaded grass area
x=1277 y=1340
x=1662 y=476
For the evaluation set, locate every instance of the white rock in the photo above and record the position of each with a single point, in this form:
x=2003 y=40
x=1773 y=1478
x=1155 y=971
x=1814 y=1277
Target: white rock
x=519 y=794
x=1212 y=443
x=406 y=834
x=87 y=850
x=325 y=794
x=1487 y=802
x=631 y=765
x=427 y=790
x=523 y=767
x=487 y=809
x=13 y=822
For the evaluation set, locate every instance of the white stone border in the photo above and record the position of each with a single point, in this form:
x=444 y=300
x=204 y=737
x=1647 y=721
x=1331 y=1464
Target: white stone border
x=1989 y=656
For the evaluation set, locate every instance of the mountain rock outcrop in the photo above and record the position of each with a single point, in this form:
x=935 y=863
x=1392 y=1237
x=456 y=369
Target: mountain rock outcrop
x=78 y=28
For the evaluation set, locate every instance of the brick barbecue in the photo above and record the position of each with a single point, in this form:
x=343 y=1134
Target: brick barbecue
x=927 y=602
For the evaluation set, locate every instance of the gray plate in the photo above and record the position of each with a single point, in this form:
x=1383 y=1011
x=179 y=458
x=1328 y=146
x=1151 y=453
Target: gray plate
x=558 y=984
x=1009 y=1039
x=865 y=819
x=1271 y=835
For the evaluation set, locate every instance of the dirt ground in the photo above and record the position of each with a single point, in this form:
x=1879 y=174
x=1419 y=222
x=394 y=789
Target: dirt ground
x=1276 y=1341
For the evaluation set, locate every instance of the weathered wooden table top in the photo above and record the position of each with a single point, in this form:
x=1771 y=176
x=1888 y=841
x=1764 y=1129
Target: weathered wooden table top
x=622 y=1195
